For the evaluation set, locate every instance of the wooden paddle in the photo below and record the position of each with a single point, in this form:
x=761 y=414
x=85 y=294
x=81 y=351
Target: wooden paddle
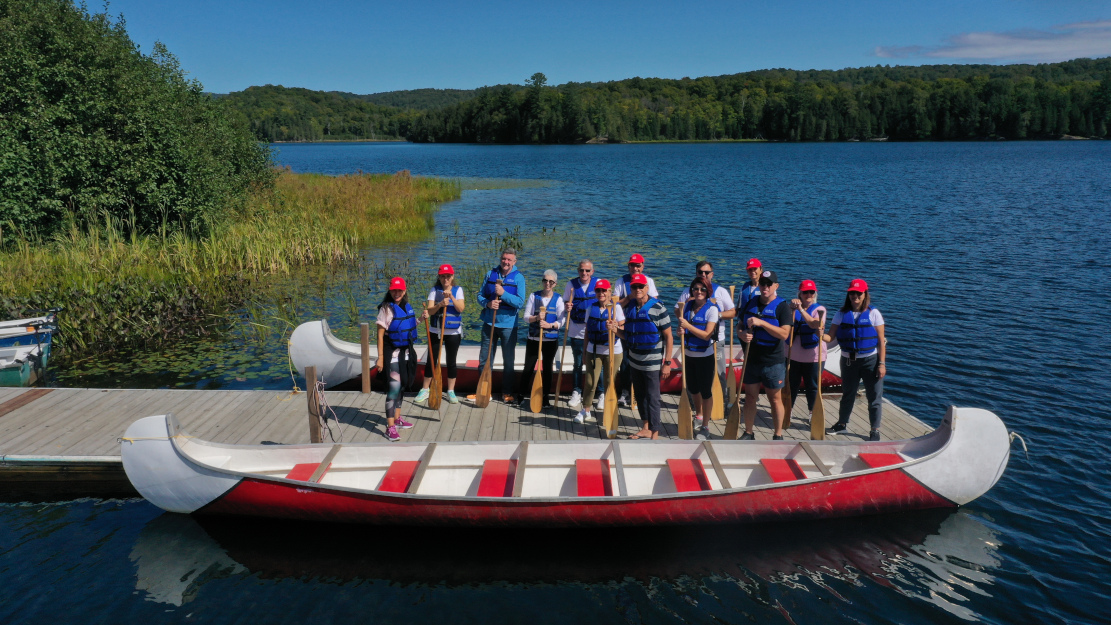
x=731 y=381
x=536 y=398
x=438 y=382
x=734 y=423
x=609 y=413
x=686 y=419
x=818 y=418
x=785 y=392
x=718 y=412
x=562 y=352
x=483 y=390
x=435 y=389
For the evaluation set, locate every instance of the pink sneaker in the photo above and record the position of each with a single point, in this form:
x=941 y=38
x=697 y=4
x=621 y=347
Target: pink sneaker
x=392 y=435
x=402 y=423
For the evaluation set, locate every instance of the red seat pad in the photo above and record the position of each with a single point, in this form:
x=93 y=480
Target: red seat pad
x=689 y=474
x=304 y=471
x=473 y=364
x=593 y=478
x=497 y=478
x=399 y=476
x=783 y=470
x=881 y=460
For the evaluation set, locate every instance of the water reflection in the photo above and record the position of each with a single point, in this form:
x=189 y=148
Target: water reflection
x=937 y=557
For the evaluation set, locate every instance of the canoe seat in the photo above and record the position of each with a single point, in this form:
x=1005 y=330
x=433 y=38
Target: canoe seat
x=783 y=470
x=497 y=478
x=593 y=477
x=302 y=472
x=471 y=364
x=876 y=461
x=689 y=475
x=399 y=476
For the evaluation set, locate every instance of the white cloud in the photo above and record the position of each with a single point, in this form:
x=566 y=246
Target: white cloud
x=1059 y=43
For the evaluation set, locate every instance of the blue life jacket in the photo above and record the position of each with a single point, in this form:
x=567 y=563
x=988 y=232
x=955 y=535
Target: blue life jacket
x=584 y=298
x=641 y=334
x=698 y=320
x=403 y=329
x=804 y=334
x=856 y=332
x=596 y=331
x=454 y=319
x=489 y=289
x=749 y=292
x=551 y=317
x=760 y=335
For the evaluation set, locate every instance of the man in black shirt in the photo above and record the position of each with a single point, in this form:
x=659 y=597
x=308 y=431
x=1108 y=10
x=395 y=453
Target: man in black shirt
x=766 y=322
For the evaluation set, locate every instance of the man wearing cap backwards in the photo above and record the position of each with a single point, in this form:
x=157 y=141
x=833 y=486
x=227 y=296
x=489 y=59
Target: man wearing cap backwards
x=445 y=298
x=502 y=295
x=858 y=327
x=751 y=288
x=720 y=298
x=767 y=322
x=578 y=297
x=647 y=333
x=624 y=295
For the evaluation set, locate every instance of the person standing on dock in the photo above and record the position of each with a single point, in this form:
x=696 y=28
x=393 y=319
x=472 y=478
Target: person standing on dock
x=445 y=304
x=648 y=334
x=858 y=328
x=767 y=322
x=719 y=297
x=397 y=332
x=545 y=313
x=502 y=295
x=750 y=289
x=698 y=322
x=598 y=326
x=578 y=296
x=810 y=318
x=624 y=295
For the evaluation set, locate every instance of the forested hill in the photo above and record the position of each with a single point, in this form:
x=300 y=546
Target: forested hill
x=419 y=99
x=938 y=102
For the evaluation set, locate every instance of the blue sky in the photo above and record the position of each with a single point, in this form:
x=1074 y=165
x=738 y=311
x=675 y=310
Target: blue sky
x=368 y=47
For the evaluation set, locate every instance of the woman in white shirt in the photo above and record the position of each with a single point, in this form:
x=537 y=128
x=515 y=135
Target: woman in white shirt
x=596 y=349
x=858 y=328
x=445 y=304
x=698 y=325
x=545 y=314
x=397 y=360
x=810 y=318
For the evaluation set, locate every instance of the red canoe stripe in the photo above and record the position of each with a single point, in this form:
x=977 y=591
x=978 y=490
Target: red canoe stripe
x=497 y=478
x=877 y=461
x=688 y=474
x=399 y=476
x=302 y=472
x=593 y=477
x=783 y=470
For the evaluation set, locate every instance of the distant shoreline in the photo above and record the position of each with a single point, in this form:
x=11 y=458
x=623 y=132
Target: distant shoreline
x=607 y=142
x=348 y=141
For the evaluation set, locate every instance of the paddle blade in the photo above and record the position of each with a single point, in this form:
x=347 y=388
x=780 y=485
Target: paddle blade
x=686 y=423
x=718 y=411
x=536 y=398
x=734 y=423
x=818 y=420
x=609 y=415
x=483 y=390
x=435 y=390
x=731 y=382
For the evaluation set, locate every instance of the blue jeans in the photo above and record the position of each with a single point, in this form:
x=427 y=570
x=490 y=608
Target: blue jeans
x=577 y=368
x=852 y=371
x=507 y=337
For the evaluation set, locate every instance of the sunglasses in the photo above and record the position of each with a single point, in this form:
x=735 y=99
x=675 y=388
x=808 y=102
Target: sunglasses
x=807 y=292
x=706 y=273
x=698 y=289
x=636 y=264
x=636 y=287
x=855 y=294
x=766 y=284
x=546 y=281
x=586 y=271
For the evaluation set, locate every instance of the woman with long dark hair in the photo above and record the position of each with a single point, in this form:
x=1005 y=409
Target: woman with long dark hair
x=858 y=328
x=698 y=323
x=397 y=332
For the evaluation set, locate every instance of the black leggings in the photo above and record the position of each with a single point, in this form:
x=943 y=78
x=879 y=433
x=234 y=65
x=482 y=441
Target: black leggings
x=804 y=371
x=700 y=375
x=451 y=344
x=525 y=383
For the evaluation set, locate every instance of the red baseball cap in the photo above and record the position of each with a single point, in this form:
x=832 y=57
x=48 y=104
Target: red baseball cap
x=636 y=258
x=858 y=285
x=753 y=262
x=808 y=285
x=397 y=284
x=640 y=278
x=446 y=270
x=603 y=285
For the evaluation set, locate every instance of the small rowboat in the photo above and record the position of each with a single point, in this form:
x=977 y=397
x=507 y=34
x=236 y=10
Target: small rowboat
x=567 y=483
x=25 y=349
x=340 y=362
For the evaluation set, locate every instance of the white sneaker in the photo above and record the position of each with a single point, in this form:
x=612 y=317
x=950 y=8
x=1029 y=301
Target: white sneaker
x=623 y=401
x=581 y=417
x=590 y=418
x=575 y=400
x=600 y=401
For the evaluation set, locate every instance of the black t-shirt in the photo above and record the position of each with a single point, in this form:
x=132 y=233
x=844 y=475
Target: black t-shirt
x=770 y=354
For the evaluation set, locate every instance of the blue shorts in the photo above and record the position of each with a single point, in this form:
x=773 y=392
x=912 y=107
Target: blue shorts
x=771 y=376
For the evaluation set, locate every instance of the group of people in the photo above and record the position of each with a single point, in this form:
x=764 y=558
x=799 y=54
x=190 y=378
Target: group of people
x=629 y=315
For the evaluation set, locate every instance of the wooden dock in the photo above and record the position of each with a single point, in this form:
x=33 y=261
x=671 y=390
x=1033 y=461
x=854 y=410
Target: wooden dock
x=63 y=441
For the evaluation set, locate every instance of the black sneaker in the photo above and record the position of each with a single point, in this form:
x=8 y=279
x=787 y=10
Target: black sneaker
x=777 y=437
x=703 y=434
x=874 y=435
x=839 y=427
x=748 y=436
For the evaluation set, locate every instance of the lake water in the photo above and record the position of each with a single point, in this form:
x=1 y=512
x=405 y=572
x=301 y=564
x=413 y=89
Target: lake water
x=988 y=261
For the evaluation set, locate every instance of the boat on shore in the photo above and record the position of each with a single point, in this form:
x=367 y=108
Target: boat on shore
x=25 y=349
x=340 y=362
x=567 y=483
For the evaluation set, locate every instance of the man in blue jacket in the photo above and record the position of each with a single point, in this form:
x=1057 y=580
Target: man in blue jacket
x=501 y=296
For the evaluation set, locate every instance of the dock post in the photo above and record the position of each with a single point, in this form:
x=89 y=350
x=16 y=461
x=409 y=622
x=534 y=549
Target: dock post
x=314 y=405
x=364 y=341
